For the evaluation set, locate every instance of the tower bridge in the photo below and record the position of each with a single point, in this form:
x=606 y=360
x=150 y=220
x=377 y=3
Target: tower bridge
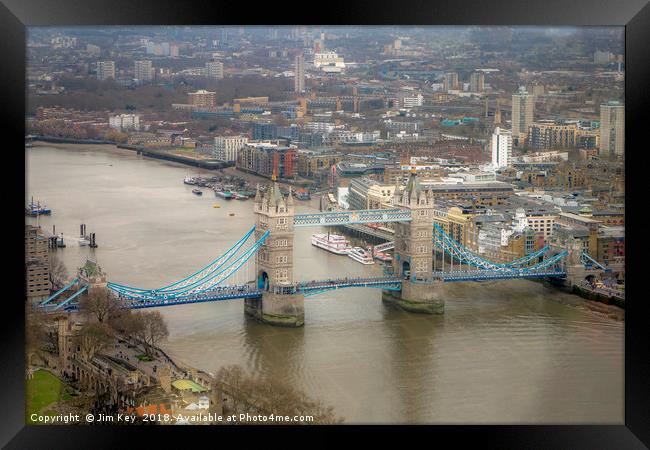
x=259 y=267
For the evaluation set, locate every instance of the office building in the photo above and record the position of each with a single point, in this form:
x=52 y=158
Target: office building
x=412 y=101
x=612 y=129
x=523 y=108
x=501 y=146
x=143 y=70
x=105 y=70
x=203 y=99
x=299 y=71
x=214 y=70
x=366 y=193
x=226 y=148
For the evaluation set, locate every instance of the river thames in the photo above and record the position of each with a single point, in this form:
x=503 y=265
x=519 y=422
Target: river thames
x=503 y=352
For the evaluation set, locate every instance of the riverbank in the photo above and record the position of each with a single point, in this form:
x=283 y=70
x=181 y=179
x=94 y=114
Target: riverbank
x=168 y=155
x=226 y=168
x=64 y=140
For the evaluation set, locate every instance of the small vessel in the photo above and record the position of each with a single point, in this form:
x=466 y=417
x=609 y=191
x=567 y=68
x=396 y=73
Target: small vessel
x=35 y=209
x=83 y=241
x=216 y=205
x=333 y=243
x=225 y=194
x=361 y=255
x=302 y=194
x=197 y=191
x=239 y=196
x=189 y=180
x=231 y=214
x=382 y=256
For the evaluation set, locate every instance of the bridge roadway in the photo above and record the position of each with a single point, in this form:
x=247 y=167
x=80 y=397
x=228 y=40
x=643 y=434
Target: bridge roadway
x=309 y=288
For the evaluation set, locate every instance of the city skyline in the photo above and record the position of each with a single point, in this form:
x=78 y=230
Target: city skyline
x=425 y=176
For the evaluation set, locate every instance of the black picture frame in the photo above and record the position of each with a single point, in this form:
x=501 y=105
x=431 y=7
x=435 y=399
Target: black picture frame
x=634 y=15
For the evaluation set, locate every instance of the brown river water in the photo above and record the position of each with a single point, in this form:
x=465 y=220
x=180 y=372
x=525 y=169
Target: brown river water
x=503 y=352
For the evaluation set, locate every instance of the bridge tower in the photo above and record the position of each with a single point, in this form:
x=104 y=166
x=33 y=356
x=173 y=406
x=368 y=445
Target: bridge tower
x=92 y=275
x=413 y=258
x=576 y=272
x=279 y=305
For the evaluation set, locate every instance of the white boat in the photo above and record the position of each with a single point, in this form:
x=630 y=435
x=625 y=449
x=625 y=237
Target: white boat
x=332 y=243
x=361 y=255
x=83 y=241
x=382 y=256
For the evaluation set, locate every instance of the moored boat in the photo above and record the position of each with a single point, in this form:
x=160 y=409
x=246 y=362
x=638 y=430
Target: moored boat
x=197 y=191
x=224 y=194
x=382 y=256
x=331 y=242
x=302 y=194
x=35 y=209
x=361 y=255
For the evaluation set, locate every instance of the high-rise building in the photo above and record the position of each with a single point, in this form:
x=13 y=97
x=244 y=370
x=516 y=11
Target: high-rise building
x=450 y=81
x=501 y=147
x=551 y=134
x=612 y=129
x=602 y=57
x=477 y=82
x=37 y=264
x=105 y=70
x=203 y=99
x=299 y=77
x=226 y=148
x=214 y=70
x=143 y=70
x=523 y=111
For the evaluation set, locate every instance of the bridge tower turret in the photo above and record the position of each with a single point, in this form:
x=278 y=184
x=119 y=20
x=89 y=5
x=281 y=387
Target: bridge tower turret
x=92 y=275
x=413 y=258
x=279 y=305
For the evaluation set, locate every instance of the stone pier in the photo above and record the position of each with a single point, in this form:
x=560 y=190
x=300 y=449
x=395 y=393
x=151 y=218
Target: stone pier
x=425 y=298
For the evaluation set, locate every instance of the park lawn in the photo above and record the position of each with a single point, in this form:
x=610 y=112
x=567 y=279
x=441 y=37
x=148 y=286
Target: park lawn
x=42 y=390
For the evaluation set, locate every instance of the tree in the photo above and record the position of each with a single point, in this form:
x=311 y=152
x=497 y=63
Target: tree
x=126 y=322
x=100 y=303
x=37 y=330
x=153 y=329
x=58 y=271
x=271 y=395
x=93 y=338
